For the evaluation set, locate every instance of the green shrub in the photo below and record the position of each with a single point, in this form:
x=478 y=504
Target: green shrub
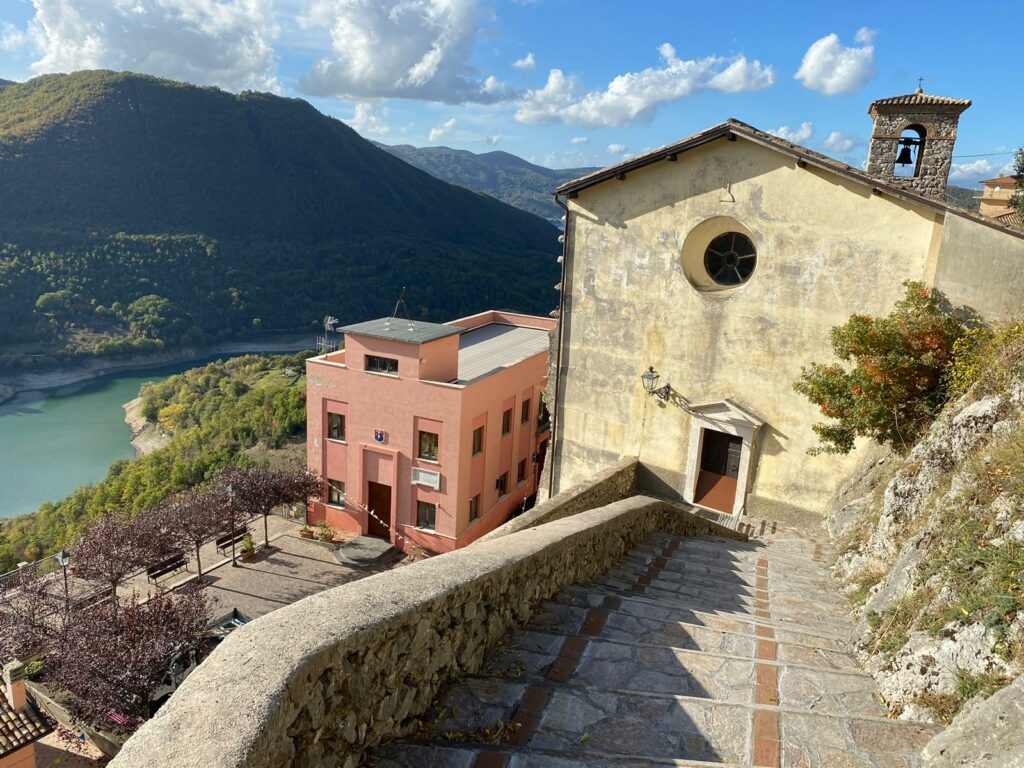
x=986 y=358
x=893 y=385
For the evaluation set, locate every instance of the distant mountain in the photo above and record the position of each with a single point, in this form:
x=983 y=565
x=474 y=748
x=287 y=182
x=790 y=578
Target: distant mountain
x=498 y=174
x=237 y=210
x=963 y=197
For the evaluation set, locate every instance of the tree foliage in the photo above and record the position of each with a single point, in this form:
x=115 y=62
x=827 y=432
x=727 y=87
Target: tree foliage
x=1018 y=172
x=112 y=656
x=890 y=383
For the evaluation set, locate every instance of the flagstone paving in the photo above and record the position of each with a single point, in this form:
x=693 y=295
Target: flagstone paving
x=692 y=651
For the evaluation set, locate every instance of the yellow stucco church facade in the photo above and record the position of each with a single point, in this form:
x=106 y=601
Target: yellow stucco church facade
x=722 y=262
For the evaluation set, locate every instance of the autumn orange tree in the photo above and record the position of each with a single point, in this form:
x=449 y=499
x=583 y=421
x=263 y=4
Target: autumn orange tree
x=890 y=382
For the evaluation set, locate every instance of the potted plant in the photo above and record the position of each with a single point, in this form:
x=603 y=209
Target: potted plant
x=248 y=547
x=324 y=531
x=306 y=532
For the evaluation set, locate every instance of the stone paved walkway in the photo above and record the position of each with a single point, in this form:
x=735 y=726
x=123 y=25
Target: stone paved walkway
x=693 y=651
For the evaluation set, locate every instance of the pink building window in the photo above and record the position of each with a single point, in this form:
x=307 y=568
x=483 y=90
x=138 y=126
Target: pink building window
x=474 y=507
x=526 y=411
x=429 y=443
x=478 y=440
x=502 y=484
x=377 y=364
x=506 y=422
x=521 y=474
x=336 y=426
x=426 y=515
x=336 y=492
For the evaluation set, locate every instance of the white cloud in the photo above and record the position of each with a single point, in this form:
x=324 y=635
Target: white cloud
x=217 y=42
x=794 y=135
x=616 y=149
x=413 y=49
x=837 y=141
x=11 y=38
x=369 y=120
x=447 y=128
x=527 y=62
x=832 y=68
x=637 y=95
x=490 y=141
x=976 y=170
x=578 y=140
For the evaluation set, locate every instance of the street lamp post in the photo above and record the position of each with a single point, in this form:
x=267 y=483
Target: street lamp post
x=64 y=559
x=231 y=505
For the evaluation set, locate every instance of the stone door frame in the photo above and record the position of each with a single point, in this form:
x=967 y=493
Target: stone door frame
x=721 y=416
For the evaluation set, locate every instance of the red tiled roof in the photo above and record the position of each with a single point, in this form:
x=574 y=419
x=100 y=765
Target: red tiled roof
x=919 y=99
x=18 y=729
x=1000 y=180
x=1011 y=219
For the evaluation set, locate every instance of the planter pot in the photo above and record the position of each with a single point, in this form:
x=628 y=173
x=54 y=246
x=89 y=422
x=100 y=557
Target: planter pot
x=248 y=555
x=307 y=535
x=327 y=539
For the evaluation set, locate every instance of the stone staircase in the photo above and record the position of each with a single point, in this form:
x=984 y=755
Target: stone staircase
x=692 y=652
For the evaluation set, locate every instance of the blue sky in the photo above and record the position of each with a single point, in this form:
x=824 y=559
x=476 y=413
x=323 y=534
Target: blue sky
x=560 y=82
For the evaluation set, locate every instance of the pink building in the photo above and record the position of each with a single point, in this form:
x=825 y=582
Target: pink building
x=436 y=428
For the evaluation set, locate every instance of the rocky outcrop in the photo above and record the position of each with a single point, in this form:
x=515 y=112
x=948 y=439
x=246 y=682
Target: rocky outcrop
x=924 y=539
x=987 y=733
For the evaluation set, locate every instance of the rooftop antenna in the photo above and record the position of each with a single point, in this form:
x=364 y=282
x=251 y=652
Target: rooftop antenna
x=323 y=343
x=405 y=309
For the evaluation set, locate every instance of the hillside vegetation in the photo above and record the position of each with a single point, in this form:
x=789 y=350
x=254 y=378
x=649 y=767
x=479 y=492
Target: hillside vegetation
x=499 y=174
x=246 y=410
x=932 y=540
x=230 y=213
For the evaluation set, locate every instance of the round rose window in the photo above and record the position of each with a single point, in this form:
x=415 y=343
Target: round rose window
x=730 y=259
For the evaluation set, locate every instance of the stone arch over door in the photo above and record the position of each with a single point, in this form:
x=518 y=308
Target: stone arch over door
x=714 y=425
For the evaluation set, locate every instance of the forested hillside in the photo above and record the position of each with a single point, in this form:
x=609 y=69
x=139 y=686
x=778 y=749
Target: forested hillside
x=499 y=174
x=224 y=213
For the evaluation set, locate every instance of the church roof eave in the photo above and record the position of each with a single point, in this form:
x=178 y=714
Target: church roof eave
x=733 y=128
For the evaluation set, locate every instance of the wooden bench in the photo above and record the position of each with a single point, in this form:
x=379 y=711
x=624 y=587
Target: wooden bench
x=234 y=537
x=168 y=565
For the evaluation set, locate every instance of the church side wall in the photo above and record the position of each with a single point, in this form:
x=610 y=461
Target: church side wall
x=981 y=268
x=826 y=248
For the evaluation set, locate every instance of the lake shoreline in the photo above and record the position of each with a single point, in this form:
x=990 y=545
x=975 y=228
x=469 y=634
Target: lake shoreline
x=146 y=436
x=95 y=368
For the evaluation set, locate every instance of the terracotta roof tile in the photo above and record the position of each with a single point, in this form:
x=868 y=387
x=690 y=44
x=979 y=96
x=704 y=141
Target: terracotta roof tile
x=19 y=728
x=1012 y=219
x=1000 y=180
x=920 y=99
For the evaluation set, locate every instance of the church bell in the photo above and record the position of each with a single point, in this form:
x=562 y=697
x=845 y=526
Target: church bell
x=903 y=158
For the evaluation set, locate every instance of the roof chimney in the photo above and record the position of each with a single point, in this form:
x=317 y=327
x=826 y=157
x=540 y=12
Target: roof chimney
x=14 y=685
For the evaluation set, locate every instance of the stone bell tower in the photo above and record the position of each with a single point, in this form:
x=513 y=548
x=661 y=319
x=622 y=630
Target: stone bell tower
x=912 y=140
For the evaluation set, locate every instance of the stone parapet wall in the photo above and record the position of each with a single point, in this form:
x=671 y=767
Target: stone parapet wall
x=613 y=484
x=319 y=682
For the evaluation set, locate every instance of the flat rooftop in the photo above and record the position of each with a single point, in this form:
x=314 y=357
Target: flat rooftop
x=396 y=329
x=492 y=347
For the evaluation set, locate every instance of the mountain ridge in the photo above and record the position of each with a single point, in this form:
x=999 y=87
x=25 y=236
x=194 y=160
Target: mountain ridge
x=115 y=186
x=500 y=174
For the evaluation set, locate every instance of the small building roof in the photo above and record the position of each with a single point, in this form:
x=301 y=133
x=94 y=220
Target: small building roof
x=1000 y=180
x=1011 y=219
x=18 y=729
x=397 y=329
x=918 y=99
x=492 y=347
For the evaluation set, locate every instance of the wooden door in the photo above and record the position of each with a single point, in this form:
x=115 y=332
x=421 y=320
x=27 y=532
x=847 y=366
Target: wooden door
x=719 y=469
x=379 y=502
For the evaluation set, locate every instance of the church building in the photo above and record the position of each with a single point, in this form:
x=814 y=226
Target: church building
x=699 y=278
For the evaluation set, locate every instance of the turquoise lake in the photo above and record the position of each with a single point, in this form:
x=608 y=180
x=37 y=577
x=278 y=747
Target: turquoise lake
x=53 y=441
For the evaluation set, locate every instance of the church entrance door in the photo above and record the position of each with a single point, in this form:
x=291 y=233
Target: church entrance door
x=719 y=470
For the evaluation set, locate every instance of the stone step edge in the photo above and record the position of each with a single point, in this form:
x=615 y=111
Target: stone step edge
x=571 y=757
x=710 y=654
x=709 y=701
x=789 y=626
x=727 y=549
x=697 y=581
x=722 y=564
x=705 y=627
x=775 y=560
x=742 y=576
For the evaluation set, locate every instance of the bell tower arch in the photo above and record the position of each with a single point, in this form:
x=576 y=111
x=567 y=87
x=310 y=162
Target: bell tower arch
x=912 y=140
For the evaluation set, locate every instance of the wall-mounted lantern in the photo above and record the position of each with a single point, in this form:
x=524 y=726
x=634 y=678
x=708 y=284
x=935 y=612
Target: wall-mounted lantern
x=650 y=380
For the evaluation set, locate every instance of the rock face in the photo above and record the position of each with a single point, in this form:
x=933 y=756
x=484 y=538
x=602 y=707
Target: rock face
x=988 y=734
x=922 y=538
